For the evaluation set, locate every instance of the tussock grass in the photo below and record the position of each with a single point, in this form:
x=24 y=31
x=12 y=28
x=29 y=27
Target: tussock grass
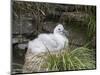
x=92 y=26
x=77 y=59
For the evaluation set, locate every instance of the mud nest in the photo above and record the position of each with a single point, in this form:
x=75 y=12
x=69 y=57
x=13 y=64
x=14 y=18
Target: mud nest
x=37 y=62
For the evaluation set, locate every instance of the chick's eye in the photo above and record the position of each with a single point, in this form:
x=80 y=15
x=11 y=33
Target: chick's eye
x=59 y=29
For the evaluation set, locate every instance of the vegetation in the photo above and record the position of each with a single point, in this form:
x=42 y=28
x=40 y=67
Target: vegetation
x=92 y=26
x=78 y=59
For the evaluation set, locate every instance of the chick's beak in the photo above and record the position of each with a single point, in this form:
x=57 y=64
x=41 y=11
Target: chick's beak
x=66 y=33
